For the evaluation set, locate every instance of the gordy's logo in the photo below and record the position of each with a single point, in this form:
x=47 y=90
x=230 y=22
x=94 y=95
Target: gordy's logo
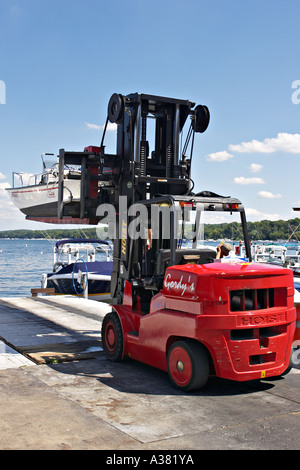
x=180 y=286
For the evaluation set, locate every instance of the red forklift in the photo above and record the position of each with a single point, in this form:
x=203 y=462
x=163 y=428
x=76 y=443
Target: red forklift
x=177 y=306
x=192 y=315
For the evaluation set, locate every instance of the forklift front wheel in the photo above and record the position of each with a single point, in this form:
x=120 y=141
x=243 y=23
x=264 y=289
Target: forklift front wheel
x=188 y=365
x=112 y=337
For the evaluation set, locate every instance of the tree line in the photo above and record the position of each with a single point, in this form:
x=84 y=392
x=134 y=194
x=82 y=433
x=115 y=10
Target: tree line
x=55 y=234
x=262 y=230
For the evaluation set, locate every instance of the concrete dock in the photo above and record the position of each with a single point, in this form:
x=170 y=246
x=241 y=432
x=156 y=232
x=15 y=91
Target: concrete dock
x=58 y=392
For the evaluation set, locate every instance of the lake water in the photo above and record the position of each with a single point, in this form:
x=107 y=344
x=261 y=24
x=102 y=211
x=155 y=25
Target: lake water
x=22 y=263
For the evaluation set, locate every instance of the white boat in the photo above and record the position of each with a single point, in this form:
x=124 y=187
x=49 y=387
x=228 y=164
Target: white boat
x=36 y=194
x=81 y=267
x=292 y=257
x=274 y=254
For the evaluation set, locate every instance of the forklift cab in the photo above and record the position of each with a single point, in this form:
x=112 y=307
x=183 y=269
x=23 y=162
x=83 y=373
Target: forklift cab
x=177 y=237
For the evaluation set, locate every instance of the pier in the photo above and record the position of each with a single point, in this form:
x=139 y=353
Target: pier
x=58 y=392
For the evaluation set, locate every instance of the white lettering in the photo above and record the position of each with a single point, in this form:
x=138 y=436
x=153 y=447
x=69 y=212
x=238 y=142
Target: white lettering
x=118 y=460
x=178 y=285
x=164 y=218
x=138 y=227
x=2 y=92
x=108 y=217
x=296 y=94
x=169 y=459
x=296 y=353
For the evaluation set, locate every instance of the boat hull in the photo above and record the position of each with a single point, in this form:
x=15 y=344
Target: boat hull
x=42 y=199
x=97 y=289
x=68 y=281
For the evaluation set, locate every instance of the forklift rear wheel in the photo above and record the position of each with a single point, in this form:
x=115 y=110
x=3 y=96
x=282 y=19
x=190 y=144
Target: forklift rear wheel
x=112 y=337
x=188 y=365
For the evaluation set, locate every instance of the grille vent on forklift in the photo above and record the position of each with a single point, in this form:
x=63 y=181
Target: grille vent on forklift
x=258 y=333
x=257 y=299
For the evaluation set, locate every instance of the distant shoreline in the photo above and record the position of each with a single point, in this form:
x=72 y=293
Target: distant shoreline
x=264 y=230
x=48 y=234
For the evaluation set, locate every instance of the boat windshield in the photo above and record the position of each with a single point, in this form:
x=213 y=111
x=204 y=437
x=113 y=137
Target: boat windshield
x=50 y=161
x=292 y=251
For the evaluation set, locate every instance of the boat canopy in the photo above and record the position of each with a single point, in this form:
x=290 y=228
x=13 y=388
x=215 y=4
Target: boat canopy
x=80 y=240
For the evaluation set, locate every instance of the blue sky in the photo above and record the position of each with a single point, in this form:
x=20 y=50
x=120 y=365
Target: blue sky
x=60 y=61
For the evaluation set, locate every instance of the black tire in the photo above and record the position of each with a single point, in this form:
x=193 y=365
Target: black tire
x=188 y=365
x=112 y=337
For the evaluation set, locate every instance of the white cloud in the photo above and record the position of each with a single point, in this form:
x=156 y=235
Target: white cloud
x=255 y=167
x=110 y=126
x=243 y=180
x=93 y=126
x=220 y=217
x=255 y=215
x=219 y=156
x=284 y=142
x=269 y=195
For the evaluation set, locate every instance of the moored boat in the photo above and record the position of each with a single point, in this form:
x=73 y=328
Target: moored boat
x=81 y=267
x=292 y=257
x=274 y=254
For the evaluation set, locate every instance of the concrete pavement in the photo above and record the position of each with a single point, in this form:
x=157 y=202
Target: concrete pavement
x=88 y=403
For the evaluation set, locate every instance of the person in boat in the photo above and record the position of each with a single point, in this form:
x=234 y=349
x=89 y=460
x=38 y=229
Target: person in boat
x=223 y=250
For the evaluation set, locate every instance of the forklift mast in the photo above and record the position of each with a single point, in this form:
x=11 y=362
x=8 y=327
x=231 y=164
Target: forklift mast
x=148 y=162
x=140 y=172
x=151 y=167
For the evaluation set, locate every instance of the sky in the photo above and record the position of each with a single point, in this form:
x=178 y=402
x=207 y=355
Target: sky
x=60 y=62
